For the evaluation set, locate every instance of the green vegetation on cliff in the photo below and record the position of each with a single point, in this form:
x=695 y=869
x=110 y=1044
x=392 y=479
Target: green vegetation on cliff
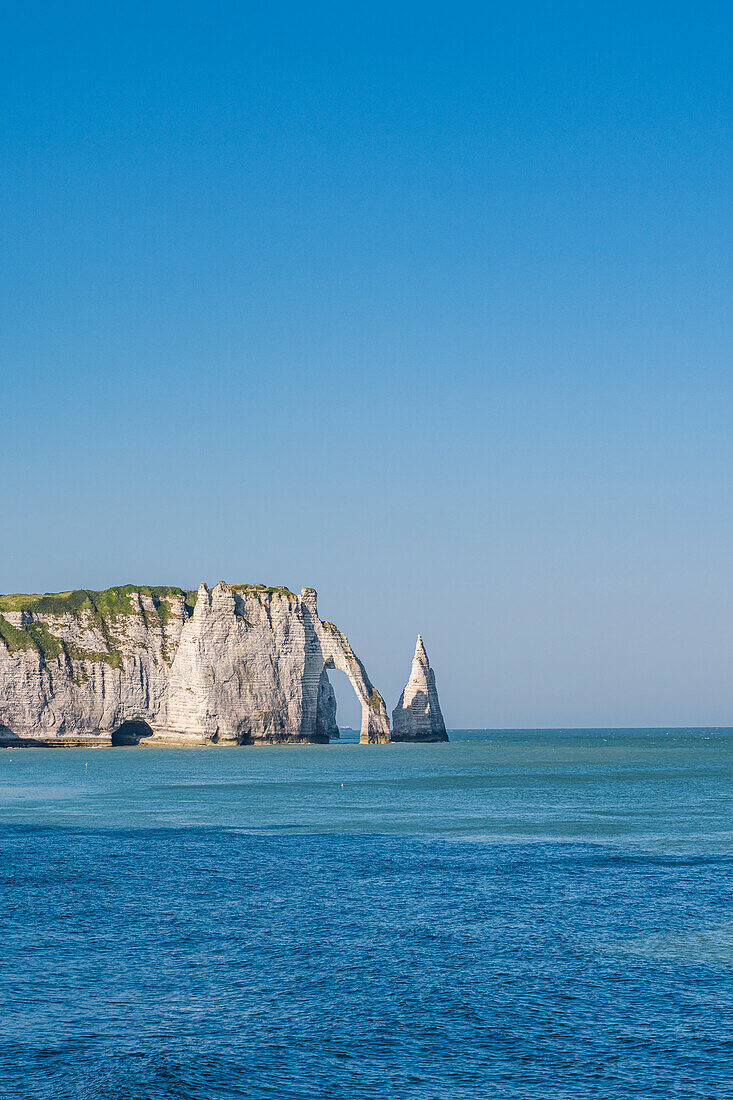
x=33 y=636
x=107 y=604
x=190 y=597
x=110 y=603
x=36 y=635
x=100 y=608
x=276 y=590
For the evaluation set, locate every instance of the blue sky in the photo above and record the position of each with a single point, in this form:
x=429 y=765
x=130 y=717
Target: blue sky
x=427 y=306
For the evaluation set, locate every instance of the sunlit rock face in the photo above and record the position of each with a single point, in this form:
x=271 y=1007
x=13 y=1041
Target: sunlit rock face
x=238 y=664
x=417 y=716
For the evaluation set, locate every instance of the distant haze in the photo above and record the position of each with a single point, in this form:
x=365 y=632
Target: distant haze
x=425 y=306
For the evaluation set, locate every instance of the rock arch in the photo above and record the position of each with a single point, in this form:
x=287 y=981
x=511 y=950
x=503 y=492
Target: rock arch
x=327 y=647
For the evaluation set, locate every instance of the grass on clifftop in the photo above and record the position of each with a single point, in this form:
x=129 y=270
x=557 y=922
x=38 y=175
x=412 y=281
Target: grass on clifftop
x=107 y=604
x=111 y=602
x=273 y=590
x=103 y=608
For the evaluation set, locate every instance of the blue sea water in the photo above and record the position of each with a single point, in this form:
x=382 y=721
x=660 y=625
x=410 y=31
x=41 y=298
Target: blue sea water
x=540 y=915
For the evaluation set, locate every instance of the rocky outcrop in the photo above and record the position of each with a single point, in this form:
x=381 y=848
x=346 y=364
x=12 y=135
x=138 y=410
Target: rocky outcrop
x=238 y=664
x=417 y=716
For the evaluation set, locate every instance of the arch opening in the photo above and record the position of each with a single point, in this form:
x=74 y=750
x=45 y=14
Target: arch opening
x=339 y=710
x=347 y=706
x=131 y=733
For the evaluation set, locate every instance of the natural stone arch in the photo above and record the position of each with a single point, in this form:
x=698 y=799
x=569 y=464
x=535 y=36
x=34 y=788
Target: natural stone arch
x=339 y=654
x=327 y=647
x=131 y=733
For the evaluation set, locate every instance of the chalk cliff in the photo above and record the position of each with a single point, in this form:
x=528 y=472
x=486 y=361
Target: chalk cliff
x=417 y=716
x=235 y=664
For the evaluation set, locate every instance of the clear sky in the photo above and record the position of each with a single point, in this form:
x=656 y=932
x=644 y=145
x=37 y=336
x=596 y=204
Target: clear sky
x=427 y=306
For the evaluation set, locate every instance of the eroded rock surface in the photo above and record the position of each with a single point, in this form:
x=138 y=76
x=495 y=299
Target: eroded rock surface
x=237 y=663
x=417 y=716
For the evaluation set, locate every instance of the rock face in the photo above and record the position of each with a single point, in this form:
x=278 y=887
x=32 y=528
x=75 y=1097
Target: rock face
x=417 y=716
x=326 y=724
x=236 y=664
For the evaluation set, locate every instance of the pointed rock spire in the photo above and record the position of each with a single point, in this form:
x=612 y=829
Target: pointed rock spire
x=417 y=716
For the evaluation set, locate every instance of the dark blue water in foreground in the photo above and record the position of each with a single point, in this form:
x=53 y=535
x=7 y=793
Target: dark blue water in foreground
x=532 y=915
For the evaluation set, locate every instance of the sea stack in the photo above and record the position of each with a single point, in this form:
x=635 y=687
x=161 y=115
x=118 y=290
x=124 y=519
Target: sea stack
x=417 y=716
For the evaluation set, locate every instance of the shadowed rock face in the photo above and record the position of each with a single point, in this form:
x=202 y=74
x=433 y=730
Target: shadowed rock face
x=326 y=724
x=417 y=716
x=237 y=664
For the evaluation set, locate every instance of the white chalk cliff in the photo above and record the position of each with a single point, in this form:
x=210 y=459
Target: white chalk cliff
x=417 y=716
x=236 y=664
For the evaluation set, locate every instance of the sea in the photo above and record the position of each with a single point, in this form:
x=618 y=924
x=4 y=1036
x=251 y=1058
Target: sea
x=529 y=914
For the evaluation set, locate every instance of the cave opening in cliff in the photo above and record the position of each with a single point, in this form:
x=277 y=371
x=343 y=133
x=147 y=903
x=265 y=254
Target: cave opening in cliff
x=131 y=733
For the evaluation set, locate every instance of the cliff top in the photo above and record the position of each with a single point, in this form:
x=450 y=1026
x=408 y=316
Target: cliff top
x=108 y=603
x=102 y=608
x=111 y=602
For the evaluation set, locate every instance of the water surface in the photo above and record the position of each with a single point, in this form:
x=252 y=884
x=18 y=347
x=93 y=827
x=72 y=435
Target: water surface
x=534 y=914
